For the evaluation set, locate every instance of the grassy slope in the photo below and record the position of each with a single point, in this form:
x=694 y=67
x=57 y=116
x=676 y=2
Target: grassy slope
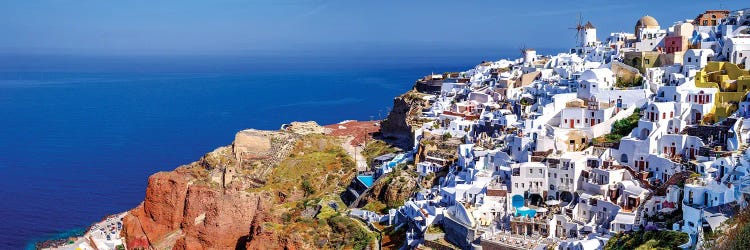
x=621 y=128
x=317 y=171
x=647 y=240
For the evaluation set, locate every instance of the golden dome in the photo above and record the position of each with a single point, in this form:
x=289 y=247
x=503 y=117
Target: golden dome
x=647 y=21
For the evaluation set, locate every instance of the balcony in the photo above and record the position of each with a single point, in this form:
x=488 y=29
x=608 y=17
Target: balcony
x=536 y=190
x=565 y=187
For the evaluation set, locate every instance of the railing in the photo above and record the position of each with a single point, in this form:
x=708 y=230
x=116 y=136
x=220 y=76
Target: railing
x=535 y=189
x=565 y=187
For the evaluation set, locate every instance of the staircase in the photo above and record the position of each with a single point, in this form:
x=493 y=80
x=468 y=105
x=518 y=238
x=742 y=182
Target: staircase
x=639 y=211
x=676 y=178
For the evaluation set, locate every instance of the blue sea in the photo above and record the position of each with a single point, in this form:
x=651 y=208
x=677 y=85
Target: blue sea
x=79 y=135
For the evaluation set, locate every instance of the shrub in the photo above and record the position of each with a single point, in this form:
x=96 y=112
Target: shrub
x=307 y=187
x=647 y=240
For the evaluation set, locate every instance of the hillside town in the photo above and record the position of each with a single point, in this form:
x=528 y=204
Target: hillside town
x=630 y=131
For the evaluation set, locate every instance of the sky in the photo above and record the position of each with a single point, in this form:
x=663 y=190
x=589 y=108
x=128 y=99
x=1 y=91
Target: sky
x=248 y=27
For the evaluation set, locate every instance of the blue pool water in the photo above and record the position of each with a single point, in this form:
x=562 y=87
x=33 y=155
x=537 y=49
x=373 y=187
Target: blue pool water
x=79 y=136
x=366 y=179
x=528 y=212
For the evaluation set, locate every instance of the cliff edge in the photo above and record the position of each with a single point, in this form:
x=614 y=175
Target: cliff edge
x=268 y=190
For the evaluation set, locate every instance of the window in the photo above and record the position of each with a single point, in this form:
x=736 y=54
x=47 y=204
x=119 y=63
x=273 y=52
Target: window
x=578 y=121
x=540 y=171
x=690 y=59
x=648 y=61
x=531 y=171
x=705 y=22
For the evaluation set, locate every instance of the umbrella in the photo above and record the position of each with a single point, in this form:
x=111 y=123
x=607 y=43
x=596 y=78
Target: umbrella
x=553 y=202
x=541 y=210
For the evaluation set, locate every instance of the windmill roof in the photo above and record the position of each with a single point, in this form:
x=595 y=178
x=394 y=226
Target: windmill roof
x=589 y=26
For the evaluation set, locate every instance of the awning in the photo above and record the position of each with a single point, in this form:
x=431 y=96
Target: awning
x=553 y=202
x=623 y=218
x=715 y=220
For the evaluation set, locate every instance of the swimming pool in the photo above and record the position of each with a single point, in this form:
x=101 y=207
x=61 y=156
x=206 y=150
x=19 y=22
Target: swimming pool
x=525 y=211
x=366 y=179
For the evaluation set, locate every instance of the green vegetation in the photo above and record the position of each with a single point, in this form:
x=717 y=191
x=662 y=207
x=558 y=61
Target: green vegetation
x=710 y=237
x=435 y=229
x=526 y=101
x=302 y=188
x=447 y=136
x=377 y=148
x=376 y=206
x=668 y=219
x=647 y=240
x=319 y=166
x=349 y=233
x=621 y=128
x=307 y=188
x=120 y=247
x=394 y=238
x=413 y=95
x=635 y=82
x=736 y=233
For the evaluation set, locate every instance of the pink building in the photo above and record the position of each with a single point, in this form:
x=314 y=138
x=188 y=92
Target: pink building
x=675 y=44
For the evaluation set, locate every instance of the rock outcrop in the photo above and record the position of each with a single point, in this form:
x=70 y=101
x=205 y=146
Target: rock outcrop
x=404 y=117
x=251 y=195
x=390 y=191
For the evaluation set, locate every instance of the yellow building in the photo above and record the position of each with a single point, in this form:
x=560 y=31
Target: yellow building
x=733 y=84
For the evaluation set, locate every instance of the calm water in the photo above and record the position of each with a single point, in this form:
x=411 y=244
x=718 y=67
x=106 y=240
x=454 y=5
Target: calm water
x=80 y=136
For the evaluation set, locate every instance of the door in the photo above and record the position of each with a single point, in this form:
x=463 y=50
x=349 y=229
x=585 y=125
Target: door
x=571 y=123
x=692 y=154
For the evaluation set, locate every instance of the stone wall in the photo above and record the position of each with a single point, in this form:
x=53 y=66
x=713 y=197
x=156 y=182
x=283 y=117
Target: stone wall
x=457 y=233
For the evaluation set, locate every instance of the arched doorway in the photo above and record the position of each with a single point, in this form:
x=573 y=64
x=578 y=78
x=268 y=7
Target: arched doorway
x=566 y=196
x=536 y=199
x=644 y=134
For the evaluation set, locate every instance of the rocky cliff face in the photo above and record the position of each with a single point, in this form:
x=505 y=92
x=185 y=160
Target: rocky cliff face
x=390 y=191
x=184 y=216
x=404 y=117
x=268 y=190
